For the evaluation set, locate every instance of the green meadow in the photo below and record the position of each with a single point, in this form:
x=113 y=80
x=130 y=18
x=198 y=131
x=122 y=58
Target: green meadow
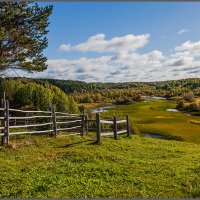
x=151 y=117
x=39 y=166
x=75 y=167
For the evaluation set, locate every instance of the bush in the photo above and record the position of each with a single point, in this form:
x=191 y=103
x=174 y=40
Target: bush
x=180 y=104
x=193 y=107
x=189 y=97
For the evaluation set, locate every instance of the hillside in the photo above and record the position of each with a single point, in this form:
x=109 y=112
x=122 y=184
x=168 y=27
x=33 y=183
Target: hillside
x=69 y=86
x=39 y=166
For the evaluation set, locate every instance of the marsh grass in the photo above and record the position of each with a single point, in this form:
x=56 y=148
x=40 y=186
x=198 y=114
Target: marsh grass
x=151 y=117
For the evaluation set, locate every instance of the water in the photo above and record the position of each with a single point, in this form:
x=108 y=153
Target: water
x=172 y=110
x=148 y=135
x=100 y=109
x=154 y=97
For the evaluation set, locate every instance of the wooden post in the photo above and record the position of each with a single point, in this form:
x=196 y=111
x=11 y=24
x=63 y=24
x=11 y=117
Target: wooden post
x=86 y=124
x=3 y=121
x=83 y=123
x=115 y=128
x=6 y=124
x=54 y=122
x=51 y=120
x=128 y=126
x=98 y=131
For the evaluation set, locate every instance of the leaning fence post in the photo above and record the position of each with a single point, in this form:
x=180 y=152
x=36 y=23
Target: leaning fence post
x=115 y=128
x=54 y=122
x=98 y=131
x=128 y=126
x=6 y=123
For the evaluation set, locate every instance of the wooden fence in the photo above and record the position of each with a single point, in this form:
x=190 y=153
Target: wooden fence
x=115 y=132
x=34 y=122
x=51 y=122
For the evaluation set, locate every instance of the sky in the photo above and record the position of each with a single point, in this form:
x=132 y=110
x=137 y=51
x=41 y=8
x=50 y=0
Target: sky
x=120 y=42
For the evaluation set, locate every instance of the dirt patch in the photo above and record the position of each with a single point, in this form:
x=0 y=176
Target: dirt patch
x=194 y=122
x=163 y=117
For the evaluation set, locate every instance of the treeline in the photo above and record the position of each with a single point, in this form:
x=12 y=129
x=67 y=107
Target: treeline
x=160 y=88
x=122 y=93
x=115 y=96
x=27 y=94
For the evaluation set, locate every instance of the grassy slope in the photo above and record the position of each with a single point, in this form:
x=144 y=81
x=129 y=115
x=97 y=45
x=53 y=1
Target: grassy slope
x=152 y=117
x=38 y=166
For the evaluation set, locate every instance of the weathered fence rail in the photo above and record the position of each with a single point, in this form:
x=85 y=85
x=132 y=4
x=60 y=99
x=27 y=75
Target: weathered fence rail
x=13 y=122
x=38 y=122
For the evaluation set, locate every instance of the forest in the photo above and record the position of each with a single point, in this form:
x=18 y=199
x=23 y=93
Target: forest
x=67 y=94
x=30 y=95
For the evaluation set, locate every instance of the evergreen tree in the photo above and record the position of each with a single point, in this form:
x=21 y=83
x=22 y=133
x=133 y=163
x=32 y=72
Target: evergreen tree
x=23 y=29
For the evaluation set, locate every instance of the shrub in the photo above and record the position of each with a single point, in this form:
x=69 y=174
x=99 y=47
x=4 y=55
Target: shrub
x=189 y=97
x=180 y=104
x=193 y=107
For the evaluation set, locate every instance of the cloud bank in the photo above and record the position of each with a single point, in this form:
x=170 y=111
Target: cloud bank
x=121 y=61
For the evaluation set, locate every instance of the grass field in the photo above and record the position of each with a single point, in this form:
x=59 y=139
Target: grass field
x=39 y=166
x=151 y=117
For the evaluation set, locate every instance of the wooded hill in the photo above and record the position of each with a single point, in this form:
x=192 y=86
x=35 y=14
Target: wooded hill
x=82 y=92
x=177 y=86
x=32 y=95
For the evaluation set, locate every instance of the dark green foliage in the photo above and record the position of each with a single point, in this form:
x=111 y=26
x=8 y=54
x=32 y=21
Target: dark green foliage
x=180 y=104
x=23 y=27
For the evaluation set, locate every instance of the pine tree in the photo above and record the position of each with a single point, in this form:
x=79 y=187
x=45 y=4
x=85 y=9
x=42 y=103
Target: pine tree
x=23 y=29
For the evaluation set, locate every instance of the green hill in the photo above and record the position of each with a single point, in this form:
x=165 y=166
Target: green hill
x=39 y=166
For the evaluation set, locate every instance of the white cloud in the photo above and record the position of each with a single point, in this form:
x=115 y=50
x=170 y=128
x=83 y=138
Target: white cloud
x=182 y=31
x=64 y=47
x=191 y=47
x=98 y=43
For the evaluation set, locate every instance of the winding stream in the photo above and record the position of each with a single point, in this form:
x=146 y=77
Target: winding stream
x=101 y=109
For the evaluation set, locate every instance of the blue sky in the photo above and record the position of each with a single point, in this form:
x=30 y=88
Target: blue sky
x=123 y=41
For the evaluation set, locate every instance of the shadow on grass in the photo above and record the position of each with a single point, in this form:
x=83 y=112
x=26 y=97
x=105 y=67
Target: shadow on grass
x=94 y=143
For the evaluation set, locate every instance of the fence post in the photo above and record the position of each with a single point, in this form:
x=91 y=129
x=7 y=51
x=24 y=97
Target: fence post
x=54 y=122
x=98 y=131
x=83 y=123
x=6 y=123
x=51 y=120
x=128 y=126
x=86 y=124
x=115 y=128
x=3 y=101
